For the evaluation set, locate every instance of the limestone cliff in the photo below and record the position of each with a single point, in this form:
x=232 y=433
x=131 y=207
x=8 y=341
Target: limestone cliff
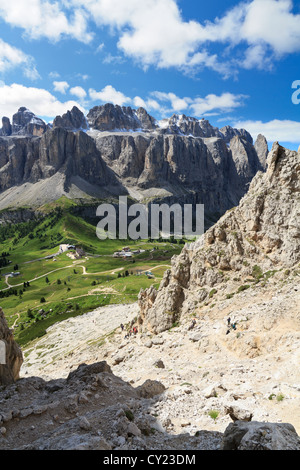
x=11 y=357
x=119 y=150
x=255 y=239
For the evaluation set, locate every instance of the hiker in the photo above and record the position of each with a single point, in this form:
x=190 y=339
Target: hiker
x=233 y=326
x=192 y=325
x=122 y=326
x=228 y=321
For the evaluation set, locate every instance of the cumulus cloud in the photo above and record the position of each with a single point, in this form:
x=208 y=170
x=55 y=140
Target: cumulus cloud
x=177 y=104
x=154 y=32
x=42 y=18
x=165 y=103
x=78 y=91
x=146 y=36
x=11 y=57
x=38 y=100
x=61 y=87
x=225 y=102
x=275 y=131
x=109 y=95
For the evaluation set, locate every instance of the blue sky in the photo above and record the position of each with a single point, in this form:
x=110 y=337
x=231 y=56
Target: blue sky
x=233 y=63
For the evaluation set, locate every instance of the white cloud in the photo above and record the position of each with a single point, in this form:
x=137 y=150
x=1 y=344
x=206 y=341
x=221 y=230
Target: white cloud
x=11 y=57
x=42 y=18
x=225 y=103
x=154 y=32
x=113 y=59
x=177 y=104
x=275 y=131
x=210 y=105
x=61 y=87
x=78 y=91
x=100 y=47
x=272 y=22
x=139 y=102
x=38 y=100
x=109 y=95
x=53 y=75
x=166 y=103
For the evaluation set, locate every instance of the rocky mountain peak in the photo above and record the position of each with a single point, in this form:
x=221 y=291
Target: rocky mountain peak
x=189 y=126
x=6 y=127
x=262 y=149
x=261 y=235
x=71 y=120
x=180 y=155
x=25 y=122
x=229 y=133
x=111 y=117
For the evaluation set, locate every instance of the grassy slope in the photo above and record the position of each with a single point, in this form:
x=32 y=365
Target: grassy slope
x=71 y=287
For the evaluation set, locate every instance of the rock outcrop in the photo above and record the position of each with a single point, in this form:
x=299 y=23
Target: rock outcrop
x=6 y=127
x=229 y=133
x=30 y=160
x=11 y=357
x=260 y=436
x=24 y=123
x=188 y=126
x=261 y=147
x=111 y=118
x=119 y=150
x=91 y=409
x=73 y=120
x=27 y=123
x=184 y=169
x=261 y=235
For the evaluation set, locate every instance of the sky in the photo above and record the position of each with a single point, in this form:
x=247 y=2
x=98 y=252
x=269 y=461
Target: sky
x=234 y=63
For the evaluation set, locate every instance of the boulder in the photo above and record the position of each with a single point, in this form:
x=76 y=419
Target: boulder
x=150 y=389
x=260 y=436
x=11 y=357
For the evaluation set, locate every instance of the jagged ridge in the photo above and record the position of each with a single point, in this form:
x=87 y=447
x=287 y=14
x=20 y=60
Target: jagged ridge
x=260 y=235
x=116 y=150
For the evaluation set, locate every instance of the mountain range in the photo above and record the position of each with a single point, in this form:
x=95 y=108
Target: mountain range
x=115 y=151
x=214 y=365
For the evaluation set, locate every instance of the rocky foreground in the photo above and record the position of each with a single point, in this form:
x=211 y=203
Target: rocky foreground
x=215 y=362
x=182 y=389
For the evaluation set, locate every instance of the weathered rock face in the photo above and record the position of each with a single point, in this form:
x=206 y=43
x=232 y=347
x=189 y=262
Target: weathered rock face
x=260 y=235
x=24 y=159
x=260 y=436
x=119 y=150
x=189 y=126
x=109 y=118
x=205 y=169
x=11 y=357
x=261 y=147
x=26 y=123
x=229 y=133
x=6 y=127
x=73 y=153
x=17 y=158
x=72 y=120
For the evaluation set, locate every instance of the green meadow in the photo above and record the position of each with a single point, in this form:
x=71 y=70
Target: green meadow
x=48 y=290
